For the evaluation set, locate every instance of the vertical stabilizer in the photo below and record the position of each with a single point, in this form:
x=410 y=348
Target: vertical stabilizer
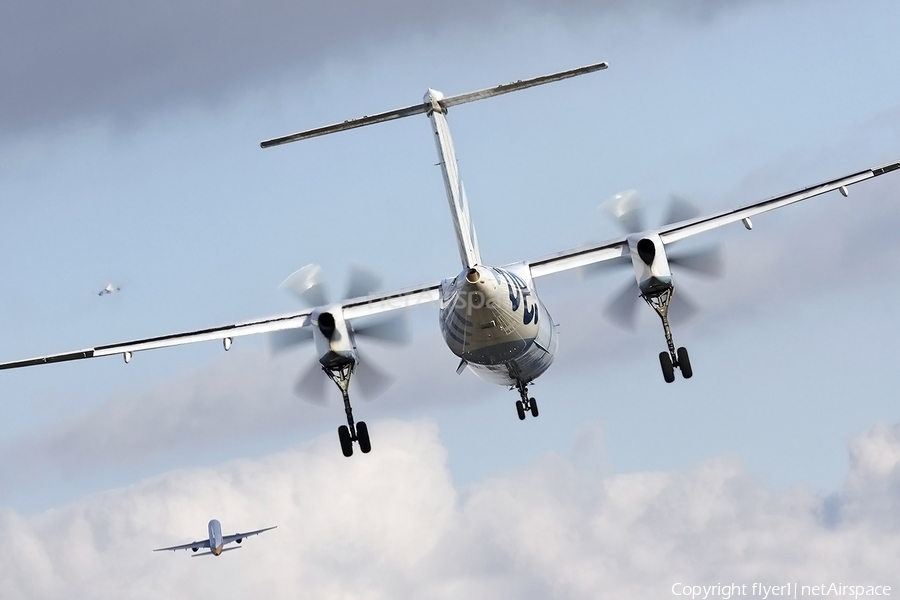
x=466 y=239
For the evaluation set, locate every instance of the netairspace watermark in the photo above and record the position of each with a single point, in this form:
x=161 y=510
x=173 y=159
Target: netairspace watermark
x=726 y=591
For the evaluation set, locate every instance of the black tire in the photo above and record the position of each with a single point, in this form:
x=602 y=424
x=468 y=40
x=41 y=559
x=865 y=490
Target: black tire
x=362 y=436
x=684 y=363
x=520 y=408
x=534 y=409
x=346 y=442
x=665 y=361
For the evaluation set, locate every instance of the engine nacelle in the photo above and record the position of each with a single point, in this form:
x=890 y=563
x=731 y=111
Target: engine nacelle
x=194 y=549
x=334 y=337
x=239 y=540
x=651 y=267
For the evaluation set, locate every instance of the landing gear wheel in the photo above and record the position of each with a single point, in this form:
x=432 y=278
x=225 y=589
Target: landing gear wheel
x=362 y=436
x=665 y=361
x=520 y=408
x=346 y=442
x=684 y=363
x=534 y=410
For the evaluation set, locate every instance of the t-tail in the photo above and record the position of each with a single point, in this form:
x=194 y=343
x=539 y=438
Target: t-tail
x=435 y=105
x=466 y=239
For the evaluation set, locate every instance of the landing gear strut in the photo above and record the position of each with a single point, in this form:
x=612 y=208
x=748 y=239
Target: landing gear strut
x=659 y=301
x=351 y=432
x=526 y=404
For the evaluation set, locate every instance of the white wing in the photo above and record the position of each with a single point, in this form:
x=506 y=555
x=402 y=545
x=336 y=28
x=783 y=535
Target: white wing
x=239 y=536
x=300 y=319
x=353 y=308
x=191 y=546
x=616 y=248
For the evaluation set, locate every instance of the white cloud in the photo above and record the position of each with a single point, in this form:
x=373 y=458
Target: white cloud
x=390 y=524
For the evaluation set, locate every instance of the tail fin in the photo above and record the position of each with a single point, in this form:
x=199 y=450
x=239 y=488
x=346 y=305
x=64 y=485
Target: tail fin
x=466 y=239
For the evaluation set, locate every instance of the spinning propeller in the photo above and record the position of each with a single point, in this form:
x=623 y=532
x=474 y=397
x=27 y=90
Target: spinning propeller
x=308 y=285
x=625 y=207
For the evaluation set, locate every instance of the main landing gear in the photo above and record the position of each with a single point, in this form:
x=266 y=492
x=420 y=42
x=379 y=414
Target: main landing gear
x=526 y=404
x=679 y=358
x=350 y=432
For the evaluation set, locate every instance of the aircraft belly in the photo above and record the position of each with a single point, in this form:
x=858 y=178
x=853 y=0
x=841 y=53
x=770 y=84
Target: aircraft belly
x=527 y=366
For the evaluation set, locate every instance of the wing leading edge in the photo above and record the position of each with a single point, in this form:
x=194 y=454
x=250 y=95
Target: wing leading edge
x=616 y=248
x=353 y=308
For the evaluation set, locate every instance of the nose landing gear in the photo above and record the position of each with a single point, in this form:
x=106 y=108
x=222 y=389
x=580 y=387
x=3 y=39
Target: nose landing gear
x=659 y=302
x=351 y=432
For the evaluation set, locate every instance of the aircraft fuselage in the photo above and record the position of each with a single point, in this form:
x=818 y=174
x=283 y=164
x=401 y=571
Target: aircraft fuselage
x=492 y=318
x=215 y=537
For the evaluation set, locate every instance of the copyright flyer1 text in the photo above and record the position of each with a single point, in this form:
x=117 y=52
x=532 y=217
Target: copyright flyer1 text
x=725 y=591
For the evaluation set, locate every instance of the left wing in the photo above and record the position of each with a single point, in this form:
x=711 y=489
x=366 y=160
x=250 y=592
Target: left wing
x=618 y=247
x=225 y=333
x=353 y=308
x=191 y=546
x=239 y=536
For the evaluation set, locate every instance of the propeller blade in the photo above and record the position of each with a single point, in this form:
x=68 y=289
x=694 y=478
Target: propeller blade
x=279 y=341
x=625 y=207
x=362 y=282
x=622 y=307
x=606 y=266
x=310 y=385
x=680 y=209
x=307 y=284
x=393 y=329
x=681 y=310
x=705 y=262
x=372 y=382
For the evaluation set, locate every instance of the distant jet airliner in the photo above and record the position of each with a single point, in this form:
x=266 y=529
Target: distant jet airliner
x=216 y=541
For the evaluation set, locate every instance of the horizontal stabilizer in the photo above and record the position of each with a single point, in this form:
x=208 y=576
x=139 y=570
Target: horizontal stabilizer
x=208 y=553
x=424 y=107
x=521 y=84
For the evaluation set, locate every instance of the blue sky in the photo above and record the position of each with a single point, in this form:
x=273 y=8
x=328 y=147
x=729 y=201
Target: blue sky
x=129 y=154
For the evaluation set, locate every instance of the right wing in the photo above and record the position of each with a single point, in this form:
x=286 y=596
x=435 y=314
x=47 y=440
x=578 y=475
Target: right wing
x=617 y=248
x=191 y=546
x=239 y=536
x=353 y=308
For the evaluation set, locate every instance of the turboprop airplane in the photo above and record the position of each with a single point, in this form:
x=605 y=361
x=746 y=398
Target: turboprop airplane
x=490 y=316
x=216 y=541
